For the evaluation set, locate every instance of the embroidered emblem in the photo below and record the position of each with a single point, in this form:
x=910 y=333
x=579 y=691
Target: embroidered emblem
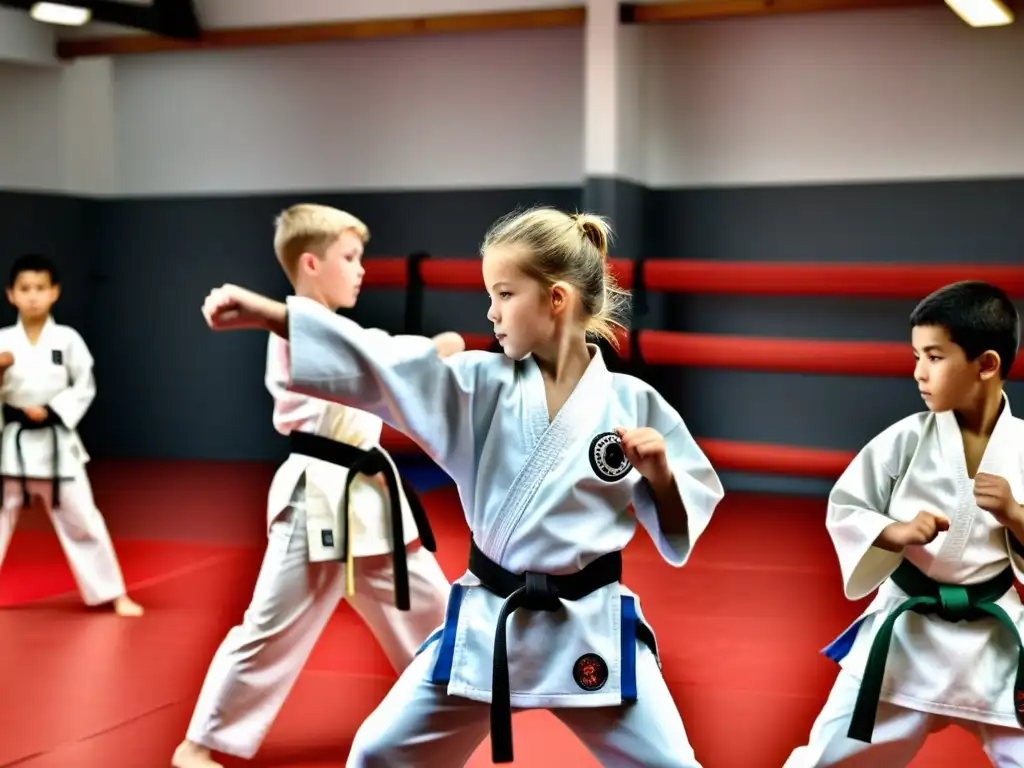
x=590 y=672
x=327 y=537
x=607 y=457
x=58 y=357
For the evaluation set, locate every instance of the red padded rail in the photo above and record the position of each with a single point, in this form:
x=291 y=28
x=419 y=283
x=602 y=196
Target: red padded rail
x=466 y=275
x=385 y=273
x=481 y=341
x=862 y=358
x=853 y=358
x=879 y=281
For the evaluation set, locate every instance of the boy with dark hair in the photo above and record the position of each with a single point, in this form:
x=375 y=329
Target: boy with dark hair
x=46 y=389
x=928 y=514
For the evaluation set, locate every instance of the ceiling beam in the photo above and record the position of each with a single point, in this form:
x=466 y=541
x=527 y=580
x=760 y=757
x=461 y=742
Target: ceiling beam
x=252 y=37
x=170 y=18
x=703 y=10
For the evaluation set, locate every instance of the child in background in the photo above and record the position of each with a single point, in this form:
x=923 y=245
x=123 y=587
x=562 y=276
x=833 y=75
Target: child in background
x=313 y=559
x=47 y=387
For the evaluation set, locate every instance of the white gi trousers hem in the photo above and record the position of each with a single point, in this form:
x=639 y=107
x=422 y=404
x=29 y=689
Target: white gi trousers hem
x=80 y=528
x=419 y=725
x=899 y=734
x=259 y=661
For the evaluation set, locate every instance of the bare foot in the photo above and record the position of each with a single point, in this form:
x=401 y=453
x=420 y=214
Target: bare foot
x=189 y=755
x=125 y=606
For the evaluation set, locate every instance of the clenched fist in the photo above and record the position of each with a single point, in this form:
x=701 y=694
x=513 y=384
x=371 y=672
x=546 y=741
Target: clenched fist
x=918 y=532
x=232 y=308
x=645 y=450
x=992 y=493
x=449 y=343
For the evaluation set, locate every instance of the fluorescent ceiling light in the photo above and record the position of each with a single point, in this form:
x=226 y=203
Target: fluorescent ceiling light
x=58 y=13
x=982 y=13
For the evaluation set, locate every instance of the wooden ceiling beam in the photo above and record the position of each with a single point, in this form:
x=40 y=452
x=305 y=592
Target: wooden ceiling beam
x=252 y=37
x=703 y=10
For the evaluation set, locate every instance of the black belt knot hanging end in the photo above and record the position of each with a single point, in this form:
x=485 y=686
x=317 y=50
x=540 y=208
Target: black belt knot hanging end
x=55 y=500
x=22 y=422
x=373 y=462
x=532 y=592
x=538 y=593
x=419 y=515
x=26 y=499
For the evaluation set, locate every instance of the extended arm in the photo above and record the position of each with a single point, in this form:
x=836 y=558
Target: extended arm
x=401 y=379
x=449 y=343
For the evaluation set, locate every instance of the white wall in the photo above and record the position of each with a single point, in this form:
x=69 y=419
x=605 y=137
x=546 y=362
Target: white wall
x=828 y=98
x=57 y=127
x=87 y=150
x=30 y=132
x=24 y=40
x=456 y=111
x=833 y=97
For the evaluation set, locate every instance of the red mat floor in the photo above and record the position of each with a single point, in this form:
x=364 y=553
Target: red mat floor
x=739 y=628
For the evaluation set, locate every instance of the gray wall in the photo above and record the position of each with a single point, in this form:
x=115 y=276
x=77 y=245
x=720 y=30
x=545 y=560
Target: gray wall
x=974 y=221
x=199 y=394
x=136 y=271
x=58 y=226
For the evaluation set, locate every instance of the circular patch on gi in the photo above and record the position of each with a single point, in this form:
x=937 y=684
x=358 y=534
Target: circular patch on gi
x=590 y=672
x=607 y=458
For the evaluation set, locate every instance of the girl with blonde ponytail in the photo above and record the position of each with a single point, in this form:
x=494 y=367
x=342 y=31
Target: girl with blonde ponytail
x=556 y=460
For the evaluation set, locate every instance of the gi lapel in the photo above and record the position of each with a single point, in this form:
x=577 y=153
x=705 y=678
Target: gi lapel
x=961 y=517
x=952 y=446
x=1004 y=454
x=546 y=442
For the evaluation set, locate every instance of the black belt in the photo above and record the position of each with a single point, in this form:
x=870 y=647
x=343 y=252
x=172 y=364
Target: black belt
x=372 y=462
x=19 y=418
x=533 y=592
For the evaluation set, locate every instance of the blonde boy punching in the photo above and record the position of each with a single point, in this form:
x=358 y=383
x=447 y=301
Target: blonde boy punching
x=47 y=387
x=342 y=523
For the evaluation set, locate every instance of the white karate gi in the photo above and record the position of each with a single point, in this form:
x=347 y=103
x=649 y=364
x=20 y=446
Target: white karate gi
x=257 y=664
x=937 y=672
x=540 y=496
x=56 y=371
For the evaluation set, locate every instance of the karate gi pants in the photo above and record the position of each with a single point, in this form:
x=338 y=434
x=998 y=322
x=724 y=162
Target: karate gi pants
x=419 y=724
x=257 y=664
x=80 y=529
x=899 y=734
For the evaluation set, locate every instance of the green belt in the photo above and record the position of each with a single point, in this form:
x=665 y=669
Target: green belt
x=951 y=602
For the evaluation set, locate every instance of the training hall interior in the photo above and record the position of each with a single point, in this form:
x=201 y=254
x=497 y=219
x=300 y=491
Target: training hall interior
x=785 y=180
